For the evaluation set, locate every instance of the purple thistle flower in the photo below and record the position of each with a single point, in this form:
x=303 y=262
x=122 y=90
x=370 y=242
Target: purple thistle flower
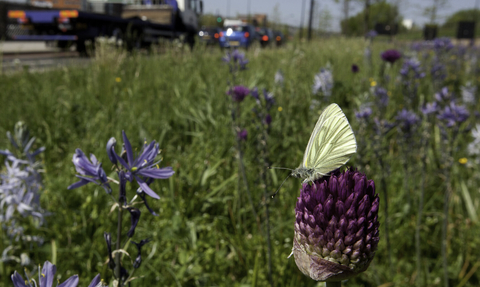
x=47 y=277
x=238 y=93
x=407 y=120
x=363 y=113
x=89 y=171
x=391 y=56
x=355 y=68
x=138 y=259
x=336 y=227
x=453 y=115
x=429 y=108
x=144 y=166
x=242 y=135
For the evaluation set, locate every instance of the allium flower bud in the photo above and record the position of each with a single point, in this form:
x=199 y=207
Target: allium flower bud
x=336 y=228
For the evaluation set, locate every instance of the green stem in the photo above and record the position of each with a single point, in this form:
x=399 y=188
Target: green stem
x=118 y=255
x=334 y=284
x=266 y=199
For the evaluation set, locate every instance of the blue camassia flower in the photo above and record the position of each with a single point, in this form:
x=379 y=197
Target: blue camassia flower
x=407 y=120
x=323 y=81
x=143 y=166
x=453 y=114
x=89 y=171
x=47 y=277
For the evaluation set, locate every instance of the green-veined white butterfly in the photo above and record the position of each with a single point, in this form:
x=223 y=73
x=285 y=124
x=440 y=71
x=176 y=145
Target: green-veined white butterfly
x=331 y=145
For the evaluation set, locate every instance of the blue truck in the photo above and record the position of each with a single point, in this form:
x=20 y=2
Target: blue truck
x=132 y=26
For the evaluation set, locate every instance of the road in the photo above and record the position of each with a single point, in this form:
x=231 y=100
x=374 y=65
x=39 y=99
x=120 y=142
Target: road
x=35 y=56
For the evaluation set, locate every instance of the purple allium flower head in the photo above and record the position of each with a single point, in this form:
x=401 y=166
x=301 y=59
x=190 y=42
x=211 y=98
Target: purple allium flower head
x=412 y=66
x=47 y=277
x=268 y=119
x=407 y=120
x=391 y=56
x=242 y=135
x=238 y=93
x=453 y=114
x=363 y=113
x=143 y=166
x=323 y=81
x=89 y=171
x=138 y=259
x=336 y=227
x=381 y=95
x=355 y=68
x=429 y=108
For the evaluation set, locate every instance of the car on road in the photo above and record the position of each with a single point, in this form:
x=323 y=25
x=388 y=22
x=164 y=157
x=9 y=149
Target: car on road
x=265 y=36
x=238 y=36
x=209 y=35
x=279 y=38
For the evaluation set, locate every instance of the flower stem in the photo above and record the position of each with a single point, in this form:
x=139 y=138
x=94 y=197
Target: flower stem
x=420 y=213
x=334 y=284
x=266 y=199
x=445 y=227
x=118 y=255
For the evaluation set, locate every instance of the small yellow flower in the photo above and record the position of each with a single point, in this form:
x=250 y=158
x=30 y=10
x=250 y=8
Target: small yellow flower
x=373 y=83
x=118 y=79
x=280 y=109
x=463 y=160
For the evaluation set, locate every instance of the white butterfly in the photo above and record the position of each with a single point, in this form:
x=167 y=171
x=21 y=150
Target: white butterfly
x=331 y=145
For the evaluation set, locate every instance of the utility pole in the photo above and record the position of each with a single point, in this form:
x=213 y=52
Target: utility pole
x=310 y=20
x=366 y=19
x=301 y=19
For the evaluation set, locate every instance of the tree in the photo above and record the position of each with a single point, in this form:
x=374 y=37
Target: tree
x=380 y=12
x=431 y=11
x=276 y=17
x=325 y=18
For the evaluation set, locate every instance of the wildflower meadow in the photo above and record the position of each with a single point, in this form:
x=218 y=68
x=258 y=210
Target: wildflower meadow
x=159 y=169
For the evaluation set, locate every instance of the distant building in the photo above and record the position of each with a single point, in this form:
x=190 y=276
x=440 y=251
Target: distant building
x=255 y=19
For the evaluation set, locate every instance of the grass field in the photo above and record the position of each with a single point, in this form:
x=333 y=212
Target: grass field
x=205 y=234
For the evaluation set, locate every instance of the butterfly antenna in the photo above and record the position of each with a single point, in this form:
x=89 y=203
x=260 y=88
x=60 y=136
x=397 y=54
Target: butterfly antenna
x=281 y=186
x=273 y=167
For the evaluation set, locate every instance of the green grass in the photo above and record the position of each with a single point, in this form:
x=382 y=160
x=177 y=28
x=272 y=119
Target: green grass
x=205 y=234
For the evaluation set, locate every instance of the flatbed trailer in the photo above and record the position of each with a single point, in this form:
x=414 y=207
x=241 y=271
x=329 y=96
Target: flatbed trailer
x=146 y=25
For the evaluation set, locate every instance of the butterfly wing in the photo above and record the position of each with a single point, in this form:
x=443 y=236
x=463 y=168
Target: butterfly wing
x=332 y=142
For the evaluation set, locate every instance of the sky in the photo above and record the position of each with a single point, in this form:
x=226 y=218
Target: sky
x=291 y=10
